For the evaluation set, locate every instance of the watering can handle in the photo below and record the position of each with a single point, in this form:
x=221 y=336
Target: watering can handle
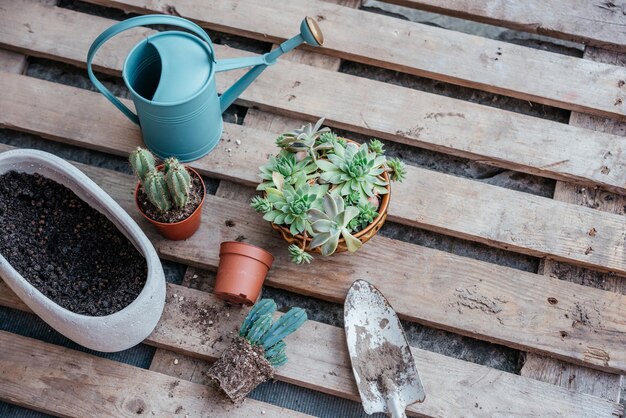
x=128 y=24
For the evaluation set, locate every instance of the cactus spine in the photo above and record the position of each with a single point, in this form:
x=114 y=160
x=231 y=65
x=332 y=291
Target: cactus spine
x=178 y=182
x=155 y=188
x=142 y=162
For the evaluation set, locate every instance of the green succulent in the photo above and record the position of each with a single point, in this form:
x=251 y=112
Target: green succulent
x=298 y=255
x=302 y=139
x=352 y=199
x=288 y=169
x=397 y=169
x=367 y=214
x=261 y=204
x=354 y=169
x=376 y=146
x=331 y=223
x=291 y=205
x=305 y=139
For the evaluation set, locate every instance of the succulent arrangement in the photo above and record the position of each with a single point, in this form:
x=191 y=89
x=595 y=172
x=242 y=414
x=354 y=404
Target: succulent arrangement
x=259 y=347
x=166 y=189
x=323 y=189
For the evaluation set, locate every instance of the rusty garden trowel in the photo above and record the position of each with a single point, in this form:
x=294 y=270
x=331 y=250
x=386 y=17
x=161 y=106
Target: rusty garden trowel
x=381 y=358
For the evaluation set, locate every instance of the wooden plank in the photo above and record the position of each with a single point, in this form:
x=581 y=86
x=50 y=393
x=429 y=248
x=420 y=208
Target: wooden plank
x=319 y=360
x=12 y=62
x=554 y=371
x=427 y=51
x=459 y=294
x=492 y=136
x=600 y=24
x=468 y=209
x=69 y=383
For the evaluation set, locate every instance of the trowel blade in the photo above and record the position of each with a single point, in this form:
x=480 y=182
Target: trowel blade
x=380 y=354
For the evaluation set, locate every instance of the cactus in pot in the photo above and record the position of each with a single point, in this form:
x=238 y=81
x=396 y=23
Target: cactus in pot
x=171 y=194
x=258 y=348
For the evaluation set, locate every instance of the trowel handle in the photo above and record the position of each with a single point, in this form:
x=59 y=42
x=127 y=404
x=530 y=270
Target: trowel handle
x=128 y=24
x=395 y=407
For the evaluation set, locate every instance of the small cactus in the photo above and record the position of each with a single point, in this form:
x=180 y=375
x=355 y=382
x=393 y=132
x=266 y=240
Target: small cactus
x=155 y=188
x=142 y=162
x=258 y=329
x=164 y=189
x=178 y=183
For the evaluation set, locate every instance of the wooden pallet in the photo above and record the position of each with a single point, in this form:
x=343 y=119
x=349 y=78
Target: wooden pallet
x=531 y=312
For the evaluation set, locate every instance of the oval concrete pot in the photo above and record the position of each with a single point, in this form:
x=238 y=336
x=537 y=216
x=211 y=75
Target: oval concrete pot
x=121 y=330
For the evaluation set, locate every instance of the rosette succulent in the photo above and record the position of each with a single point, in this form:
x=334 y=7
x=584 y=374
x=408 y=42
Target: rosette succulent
x=352 y=169
x=331 y=223
x=304 y=139
x=286 y=168
x=291 y=206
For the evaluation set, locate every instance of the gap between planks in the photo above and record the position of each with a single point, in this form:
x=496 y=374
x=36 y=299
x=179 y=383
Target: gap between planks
x=468 y=209
x=551 y=370
x=459 y=294
x=599 y=24
x=417 y=49
x=492 y=136
x=319 y=360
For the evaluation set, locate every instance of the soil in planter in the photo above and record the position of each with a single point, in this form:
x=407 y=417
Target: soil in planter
x=69 y=251
x=174 y=215
x=240 y=369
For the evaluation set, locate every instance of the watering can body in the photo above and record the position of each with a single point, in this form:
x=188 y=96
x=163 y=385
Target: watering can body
x=171 y=78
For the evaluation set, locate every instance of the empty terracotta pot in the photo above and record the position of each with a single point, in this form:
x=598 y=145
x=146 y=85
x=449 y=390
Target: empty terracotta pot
x=178 y=230
x=241 y=272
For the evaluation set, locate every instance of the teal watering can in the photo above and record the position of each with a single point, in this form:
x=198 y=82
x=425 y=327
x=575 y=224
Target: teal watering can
x=171 y=77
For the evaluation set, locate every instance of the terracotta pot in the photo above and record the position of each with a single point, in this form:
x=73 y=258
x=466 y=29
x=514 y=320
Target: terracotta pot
x=363 y=235
x=178 y=230
x=241 y=272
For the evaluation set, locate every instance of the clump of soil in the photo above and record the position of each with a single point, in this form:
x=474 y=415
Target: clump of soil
x=174 y=215
x=69 y=251
x=240 y=369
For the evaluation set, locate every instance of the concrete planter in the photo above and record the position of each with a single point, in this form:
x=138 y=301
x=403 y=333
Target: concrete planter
x=115 y=332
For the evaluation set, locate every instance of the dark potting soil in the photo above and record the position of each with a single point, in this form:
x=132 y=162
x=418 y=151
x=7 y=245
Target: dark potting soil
x=174 y=215
x=69 y=251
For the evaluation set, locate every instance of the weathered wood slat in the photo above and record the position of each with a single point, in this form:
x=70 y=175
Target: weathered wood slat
x=69 y=383
x=12 y=62
x=428 y=51
x=600 y=24
x=585 y=380
x=431 y=200
x=466 y=296
x=493 y=136
x=319 y=360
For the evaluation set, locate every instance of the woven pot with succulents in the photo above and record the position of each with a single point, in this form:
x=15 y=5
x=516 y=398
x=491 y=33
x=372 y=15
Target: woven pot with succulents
x=259 y=348
x=324 y=193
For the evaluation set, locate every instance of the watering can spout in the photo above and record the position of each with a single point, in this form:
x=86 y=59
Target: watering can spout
x=310 y=33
